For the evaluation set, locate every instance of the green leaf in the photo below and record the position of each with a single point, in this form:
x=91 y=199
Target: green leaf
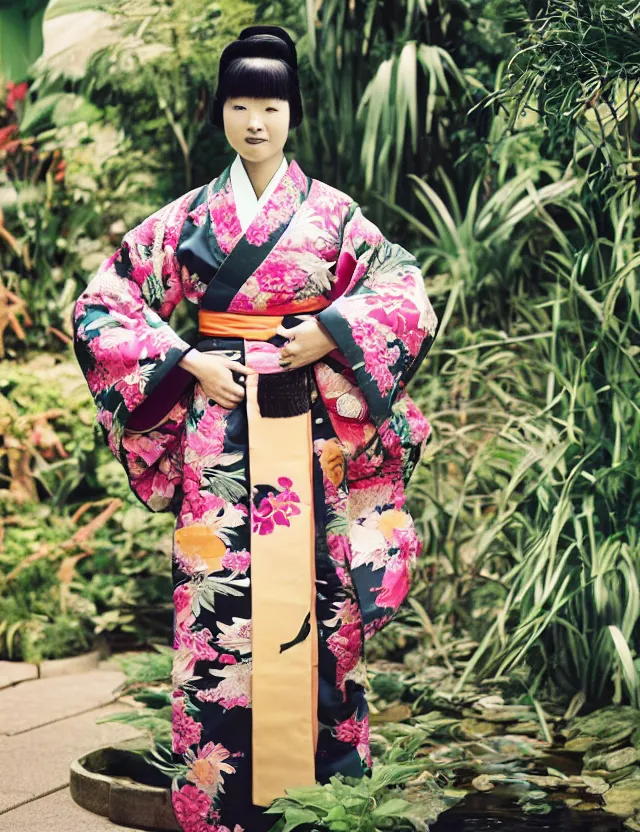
x=389 y=808
x=296 y=816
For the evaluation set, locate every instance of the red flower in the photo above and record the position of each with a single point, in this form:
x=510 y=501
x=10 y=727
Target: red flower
x=16 y=92
x=7 y=141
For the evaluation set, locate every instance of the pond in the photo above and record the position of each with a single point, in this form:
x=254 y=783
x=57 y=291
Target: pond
x=499 y=812
x=494 y=811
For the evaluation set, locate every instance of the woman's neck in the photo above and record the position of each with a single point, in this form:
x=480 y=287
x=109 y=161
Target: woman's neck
x=261 y=173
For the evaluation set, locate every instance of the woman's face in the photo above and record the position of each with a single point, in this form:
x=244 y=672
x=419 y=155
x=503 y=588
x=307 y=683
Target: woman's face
x=256 y=118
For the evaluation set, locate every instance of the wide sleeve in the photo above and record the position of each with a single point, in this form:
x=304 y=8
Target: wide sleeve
x=129 y=354
x=380 y=315
x=383 y=324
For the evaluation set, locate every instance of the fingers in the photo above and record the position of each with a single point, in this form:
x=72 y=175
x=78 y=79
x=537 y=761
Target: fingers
x=288 y=355
x=228 y=396
x=237 y=367
x=289 y=333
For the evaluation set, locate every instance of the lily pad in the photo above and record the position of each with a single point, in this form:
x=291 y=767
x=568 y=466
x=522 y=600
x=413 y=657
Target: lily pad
x=507 y=713
x=394 y=713
x=472 y=728
x=482 y=783
x=623 y=798
x=545 y=781
x=587 y=806
x=536 y=808
x=623 y=774
x=615 y=760
x=580 y=744
x=596 y=785
x=610 y=725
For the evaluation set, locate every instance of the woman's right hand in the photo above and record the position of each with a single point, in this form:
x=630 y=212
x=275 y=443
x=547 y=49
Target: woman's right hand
x=214 y=372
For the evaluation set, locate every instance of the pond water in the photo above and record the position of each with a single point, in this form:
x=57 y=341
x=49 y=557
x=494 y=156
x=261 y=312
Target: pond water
x=498 y=812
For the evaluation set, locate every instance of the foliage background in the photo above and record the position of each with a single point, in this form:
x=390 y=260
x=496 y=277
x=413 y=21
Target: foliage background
x=499 y=142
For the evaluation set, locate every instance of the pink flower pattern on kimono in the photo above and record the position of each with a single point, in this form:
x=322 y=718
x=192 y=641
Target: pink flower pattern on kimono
x=398 y=315
x=191 y=807
x=184 y=663
x=340 y=552
x=234 y=691
x=346 y=642
x=182 y=601
x=227 y=658
x=379 y=357
x=276 y=509
x=207 y=767
x=203 y=450
x=278 y=207
x=235 y=636
x=355 y=732
x=237 y=561
x=196 y=641
x=186 y=730
x=395 y=584
x=154 y=485
x=199 y=214
x=224 y=220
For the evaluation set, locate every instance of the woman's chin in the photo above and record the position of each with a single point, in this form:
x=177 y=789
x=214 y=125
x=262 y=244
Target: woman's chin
x=256 y=152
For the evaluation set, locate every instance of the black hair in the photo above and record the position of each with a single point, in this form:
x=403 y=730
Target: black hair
x=239 y=75
x=257 y=79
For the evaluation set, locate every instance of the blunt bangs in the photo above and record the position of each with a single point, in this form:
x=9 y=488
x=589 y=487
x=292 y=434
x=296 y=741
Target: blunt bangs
x=253 y=78
x=247 y=77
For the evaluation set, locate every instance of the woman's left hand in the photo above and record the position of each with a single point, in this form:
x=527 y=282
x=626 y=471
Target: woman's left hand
x=308 y=342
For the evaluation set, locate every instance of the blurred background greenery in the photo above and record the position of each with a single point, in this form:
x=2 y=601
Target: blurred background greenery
x=496 y=140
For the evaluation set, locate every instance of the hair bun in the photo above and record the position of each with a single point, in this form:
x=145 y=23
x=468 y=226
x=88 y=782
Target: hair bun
x=273 y=32
x=260 y=42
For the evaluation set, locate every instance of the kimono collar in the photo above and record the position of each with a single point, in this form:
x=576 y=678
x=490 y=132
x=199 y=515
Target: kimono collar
x=289 y=187
x=247 y=203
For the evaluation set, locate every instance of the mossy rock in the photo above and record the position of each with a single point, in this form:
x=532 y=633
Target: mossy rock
x=614 y=760
x=610 y=726
x=623 y=798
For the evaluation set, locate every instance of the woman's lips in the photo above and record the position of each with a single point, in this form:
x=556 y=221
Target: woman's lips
x=255 y=141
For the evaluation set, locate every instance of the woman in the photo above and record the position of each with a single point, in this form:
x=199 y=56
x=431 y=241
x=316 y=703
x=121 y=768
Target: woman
x=282 y=443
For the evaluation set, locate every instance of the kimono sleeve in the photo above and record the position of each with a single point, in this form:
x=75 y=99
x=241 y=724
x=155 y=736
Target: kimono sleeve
x=380 y=315
x=129 y=354
x=384 y=325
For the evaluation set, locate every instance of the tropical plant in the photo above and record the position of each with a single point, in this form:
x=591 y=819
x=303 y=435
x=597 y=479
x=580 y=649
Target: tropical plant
x=536 y=497
x=576 y=66
x=20 y=36
x=388 y=87
x=75 y=566
x=158 y=77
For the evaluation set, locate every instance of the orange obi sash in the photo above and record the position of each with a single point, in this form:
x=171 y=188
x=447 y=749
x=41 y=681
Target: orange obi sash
x=253 y=327
x=284 y=674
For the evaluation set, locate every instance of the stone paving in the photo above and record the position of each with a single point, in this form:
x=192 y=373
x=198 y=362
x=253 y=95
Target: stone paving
x=45 y=723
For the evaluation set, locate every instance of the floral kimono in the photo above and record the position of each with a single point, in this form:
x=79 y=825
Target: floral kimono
x=292 y=543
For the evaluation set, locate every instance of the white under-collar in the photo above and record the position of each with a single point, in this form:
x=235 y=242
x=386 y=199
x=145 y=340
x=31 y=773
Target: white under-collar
x=247 y=203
